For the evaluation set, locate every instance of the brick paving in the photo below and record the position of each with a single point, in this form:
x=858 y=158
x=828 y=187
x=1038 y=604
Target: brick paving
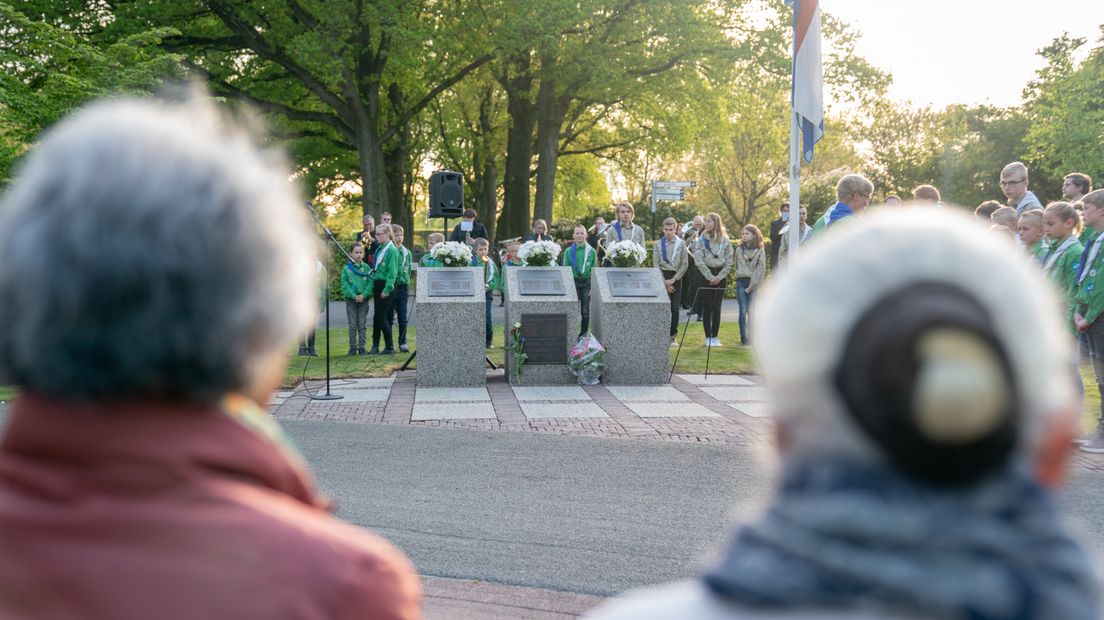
x=465 y=599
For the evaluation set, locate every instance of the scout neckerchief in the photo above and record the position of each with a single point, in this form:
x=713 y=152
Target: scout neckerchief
x=663 y=247
x=1087 y=258
x=1057 y=252
x=617 y=227
x=486 y=268
x=352 y=268
x=743 y=254
x=380 y=253
x=405 y=258
x=574 y=263
x=709 y=248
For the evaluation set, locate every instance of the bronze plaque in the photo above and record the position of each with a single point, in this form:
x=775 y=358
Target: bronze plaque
x=545 y=338
x=636 y=283
x=541 y=282
x=449 y=282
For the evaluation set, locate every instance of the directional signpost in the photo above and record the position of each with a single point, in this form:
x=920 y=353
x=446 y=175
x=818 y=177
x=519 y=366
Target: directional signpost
x=668 y=190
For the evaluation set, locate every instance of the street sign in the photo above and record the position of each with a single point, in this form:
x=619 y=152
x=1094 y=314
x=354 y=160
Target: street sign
x=662 y=184
x=669 y=195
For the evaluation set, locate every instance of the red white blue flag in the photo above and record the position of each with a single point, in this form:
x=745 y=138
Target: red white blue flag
x=808 y=74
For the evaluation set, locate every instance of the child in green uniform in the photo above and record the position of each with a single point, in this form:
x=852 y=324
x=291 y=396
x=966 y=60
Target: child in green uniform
x=432 y=240
x=490 y=279
x=384 y=277
x=400 y=298
x=356 y=287
x=581 y=258
x=1031 y=234
x=1089 y=302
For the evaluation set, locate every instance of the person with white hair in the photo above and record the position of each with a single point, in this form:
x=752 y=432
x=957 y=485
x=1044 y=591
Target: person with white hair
x=921 y=432
x=139 y=477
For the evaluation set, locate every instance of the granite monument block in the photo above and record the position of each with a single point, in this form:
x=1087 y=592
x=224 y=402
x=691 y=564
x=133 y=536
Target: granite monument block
x=543 y=300
x=630 y=314
x=449 y=314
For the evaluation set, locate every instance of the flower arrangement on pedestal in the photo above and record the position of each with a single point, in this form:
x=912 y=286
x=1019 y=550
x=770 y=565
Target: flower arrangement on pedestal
x=539 y=253
x=626 y=254
x=452 y=254
x=515 y=344
x=587 y=360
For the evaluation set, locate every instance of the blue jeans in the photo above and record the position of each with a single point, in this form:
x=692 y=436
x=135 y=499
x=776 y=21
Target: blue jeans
x=743 y=298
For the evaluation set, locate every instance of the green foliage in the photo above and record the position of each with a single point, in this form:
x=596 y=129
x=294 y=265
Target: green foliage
x=51 y=68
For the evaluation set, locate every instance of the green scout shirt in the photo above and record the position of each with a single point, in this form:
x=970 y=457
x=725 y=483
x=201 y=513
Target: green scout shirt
x=585 y=258
x=429 y=261
x=388 y=263
x=353 y=284
x=491 y=279
x=1038 y=250
x=1061 y=269
x=405 y=258
x=1089 y=292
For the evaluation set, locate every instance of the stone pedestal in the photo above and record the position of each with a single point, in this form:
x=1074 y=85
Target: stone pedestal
x=634 y=329
x=450 y=329
x=546 y=307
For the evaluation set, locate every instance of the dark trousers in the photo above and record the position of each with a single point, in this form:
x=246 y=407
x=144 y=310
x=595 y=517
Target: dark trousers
x=399 y=302
x=487 y=318
x=582 y=291
x=307 y=340
x=691 y=280
x=711 y=298
x=357 y=313
x=676 y=301
x=381 y=317
x=1096 y=352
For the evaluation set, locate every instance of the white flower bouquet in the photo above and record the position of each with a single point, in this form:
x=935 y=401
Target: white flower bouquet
x=626 y=254
x=539 y=253
x=452 y=254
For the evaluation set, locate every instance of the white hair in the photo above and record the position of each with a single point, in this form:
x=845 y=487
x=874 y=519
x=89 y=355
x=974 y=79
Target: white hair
x=805 y=317
x=150 y=249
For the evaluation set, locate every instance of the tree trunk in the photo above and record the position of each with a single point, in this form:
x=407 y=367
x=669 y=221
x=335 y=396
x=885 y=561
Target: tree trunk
x=486 y=170
x=515 y=217
x=396 y=159
x=550 y=116
x=369 y=150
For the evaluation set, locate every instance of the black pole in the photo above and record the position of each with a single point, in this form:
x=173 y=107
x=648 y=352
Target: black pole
x=327 y=395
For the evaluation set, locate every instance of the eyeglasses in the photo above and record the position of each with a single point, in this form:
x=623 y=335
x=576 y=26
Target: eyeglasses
x=1011 y=183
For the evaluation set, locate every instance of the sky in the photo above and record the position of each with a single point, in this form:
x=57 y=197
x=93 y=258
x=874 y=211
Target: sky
x=963 y=51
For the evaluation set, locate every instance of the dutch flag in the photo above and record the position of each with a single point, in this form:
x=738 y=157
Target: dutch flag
x=808 y=74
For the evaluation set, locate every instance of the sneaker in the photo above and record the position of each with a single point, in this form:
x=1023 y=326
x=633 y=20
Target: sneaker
x=717 y=342
x=708 y=342
x=404 y=348
x=303 y=351
x=1095 y=443
x=352 y=351
x=311 y=352
x=674 y=343
x=387 y=351
x=373 y=351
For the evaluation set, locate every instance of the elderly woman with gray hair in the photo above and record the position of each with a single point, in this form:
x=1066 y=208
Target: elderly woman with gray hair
x=154 y=269
x=923 y=420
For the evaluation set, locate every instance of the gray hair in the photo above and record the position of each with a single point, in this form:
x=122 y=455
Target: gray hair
x=842 y=276
x=151 y=250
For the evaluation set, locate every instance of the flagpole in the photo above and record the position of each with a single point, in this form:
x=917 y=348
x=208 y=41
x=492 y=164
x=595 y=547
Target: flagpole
x=795 y=189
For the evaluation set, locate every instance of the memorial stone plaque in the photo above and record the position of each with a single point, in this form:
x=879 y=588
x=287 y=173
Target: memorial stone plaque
x=545 y=336
x=446 y=282
x=630 y=284
x=540 y=282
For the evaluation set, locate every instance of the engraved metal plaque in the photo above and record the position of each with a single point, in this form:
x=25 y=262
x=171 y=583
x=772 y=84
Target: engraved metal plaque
x=540 y=282
x=635 y=283
x=545 y=338
x=448 y=282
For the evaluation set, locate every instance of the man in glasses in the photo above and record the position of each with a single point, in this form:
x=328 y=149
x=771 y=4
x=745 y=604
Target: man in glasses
x=1014 y=183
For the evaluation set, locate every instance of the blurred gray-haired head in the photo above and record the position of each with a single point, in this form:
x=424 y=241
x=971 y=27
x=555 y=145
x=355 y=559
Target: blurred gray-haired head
x=150 y=249
x=919 y=313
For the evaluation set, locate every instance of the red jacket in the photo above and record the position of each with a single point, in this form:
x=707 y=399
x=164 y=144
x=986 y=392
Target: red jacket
x=173 y=511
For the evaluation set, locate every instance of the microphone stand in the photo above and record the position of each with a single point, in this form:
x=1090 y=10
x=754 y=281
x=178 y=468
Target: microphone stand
x=328 y=395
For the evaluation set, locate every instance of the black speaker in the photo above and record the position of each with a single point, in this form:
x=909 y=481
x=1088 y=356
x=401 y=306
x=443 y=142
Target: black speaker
x=446 y=194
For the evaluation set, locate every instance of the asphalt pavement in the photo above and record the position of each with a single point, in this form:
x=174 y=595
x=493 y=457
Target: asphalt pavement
x=578 y=514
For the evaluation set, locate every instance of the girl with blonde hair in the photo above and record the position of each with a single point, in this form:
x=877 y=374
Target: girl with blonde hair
x=713 y=257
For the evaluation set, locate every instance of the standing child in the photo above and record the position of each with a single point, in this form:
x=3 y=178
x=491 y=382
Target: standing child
x=490 y=280
x=1005 y=216
x=751 y=268
x=510 y=259
x=1089 y=302
x=669 y=256
x=581 y=257
x=1031 y=234
x=400 y=298
x=356 y=287
x=714 y=260
x=384 y=277
x=432 y=240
